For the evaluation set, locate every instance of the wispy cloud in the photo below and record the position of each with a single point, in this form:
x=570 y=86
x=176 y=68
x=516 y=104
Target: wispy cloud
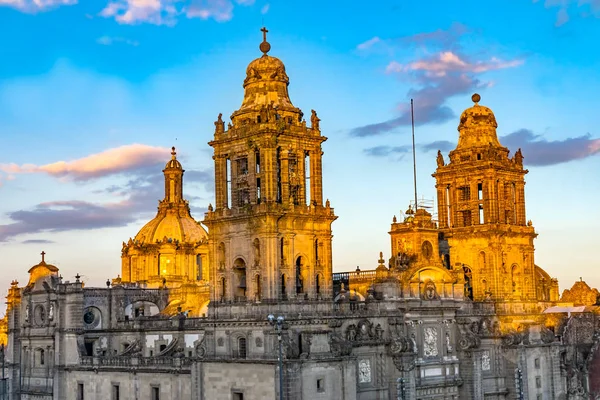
x=442 y=145
x=110 y=40
x=37 y=241
x=437 y=76
x=567 y=7
x=369 y=43
x=166 y=12
x=385 y=151
x=33 y=6
x=139 y=197
x=265 y=9
x=538 y=151
x=112 y=161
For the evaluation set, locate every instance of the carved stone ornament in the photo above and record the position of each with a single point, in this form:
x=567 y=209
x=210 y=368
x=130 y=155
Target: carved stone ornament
x=258 y=342
x=399 y=345
x=339 y=346
x=220 y=342
x=485 y=361
x=364 y=371
x=430 y=342
x=429 y=291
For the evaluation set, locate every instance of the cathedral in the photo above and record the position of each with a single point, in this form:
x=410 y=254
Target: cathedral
x=249 y=307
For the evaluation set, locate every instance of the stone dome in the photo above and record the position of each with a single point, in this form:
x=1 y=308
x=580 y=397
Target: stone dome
x=174 y=227
x=173 y=220
x=173 y=163
x=477 y=126
x=265 y=86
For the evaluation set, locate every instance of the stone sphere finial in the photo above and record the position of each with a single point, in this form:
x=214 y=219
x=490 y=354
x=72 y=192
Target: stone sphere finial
x=476 y=98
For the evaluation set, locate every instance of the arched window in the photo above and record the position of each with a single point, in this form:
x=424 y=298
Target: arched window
x=317 y=250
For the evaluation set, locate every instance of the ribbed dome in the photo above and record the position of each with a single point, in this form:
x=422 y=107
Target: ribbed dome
x=175 y=227
x=173 y=220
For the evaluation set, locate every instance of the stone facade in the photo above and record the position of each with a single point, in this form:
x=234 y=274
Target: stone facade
x=457 y=312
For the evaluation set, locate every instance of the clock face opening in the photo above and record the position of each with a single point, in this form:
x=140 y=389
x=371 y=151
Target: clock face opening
x=427 y=249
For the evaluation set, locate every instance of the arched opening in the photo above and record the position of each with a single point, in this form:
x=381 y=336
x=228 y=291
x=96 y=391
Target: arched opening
x=239 y=270
x=317 y=251
x=299 y=280
x=468 y=281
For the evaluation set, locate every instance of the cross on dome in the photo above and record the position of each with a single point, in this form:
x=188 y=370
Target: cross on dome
x=43 y=253
x=264 y=46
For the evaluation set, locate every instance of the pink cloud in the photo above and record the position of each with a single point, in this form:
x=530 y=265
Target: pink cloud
x=112 y=161
x=32 y=6
x=448 y=61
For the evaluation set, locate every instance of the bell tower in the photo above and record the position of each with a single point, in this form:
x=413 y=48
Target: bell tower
x=481 y=208
x=269 y=230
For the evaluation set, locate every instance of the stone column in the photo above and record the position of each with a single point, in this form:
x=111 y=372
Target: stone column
x=316 y=178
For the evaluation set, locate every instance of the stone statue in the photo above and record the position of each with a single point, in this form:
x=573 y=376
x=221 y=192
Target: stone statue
x=219 y=124
x=314 y=120
x=518 y=157
x=27 y=313
x=51 y=312
x=440 y=159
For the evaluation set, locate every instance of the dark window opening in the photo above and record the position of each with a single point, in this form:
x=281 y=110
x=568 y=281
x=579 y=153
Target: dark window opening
x=464 y=193
x=115 y=392
x=257 y=162
x=241 y=347
x=162 y=347
x=320 y=385
x=283 y=291
x=198 y=267
x=238 y=396
x=258 y=119
x=155 y=393
x=318 y=284
x=242 y=165
x=479 y=156
x=42 y=357
x=299 y=280
x=481 y=220
x=480 y=191
x=243 y=197
x=80 y=391
x=466 y=218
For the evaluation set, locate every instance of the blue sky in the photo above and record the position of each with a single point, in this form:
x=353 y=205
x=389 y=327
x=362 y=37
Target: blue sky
x=107 y=87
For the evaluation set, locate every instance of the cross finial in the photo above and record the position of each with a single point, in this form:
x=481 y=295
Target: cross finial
x=264 y=31
x=43 y=253
x=264 y=46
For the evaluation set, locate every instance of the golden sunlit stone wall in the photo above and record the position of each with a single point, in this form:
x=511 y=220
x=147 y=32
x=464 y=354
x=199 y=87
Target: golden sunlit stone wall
x=481 y=206
x=270 y=232
x=171 y=250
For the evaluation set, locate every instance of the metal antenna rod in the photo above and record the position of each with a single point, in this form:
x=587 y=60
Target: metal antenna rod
x=412 y=117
